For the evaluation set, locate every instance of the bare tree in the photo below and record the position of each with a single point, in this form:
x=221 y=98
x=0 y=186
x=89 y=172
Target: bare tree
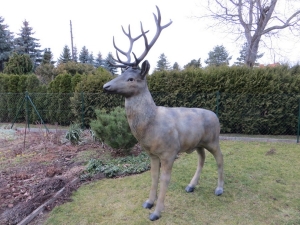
x=253 y=19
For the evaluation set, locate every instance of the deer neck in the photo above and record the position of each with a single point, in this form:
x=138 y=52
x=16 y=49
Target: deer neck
x=140 y=111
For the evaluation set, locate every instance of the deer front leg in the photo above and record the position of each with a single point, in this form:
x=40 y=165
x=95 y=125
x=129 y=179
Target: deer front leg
x=155 y=176
x=166 y=168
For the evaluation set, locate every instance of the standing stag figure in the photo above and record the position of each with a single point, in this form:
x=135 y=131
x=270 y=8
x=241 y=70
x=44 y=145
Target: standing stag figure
x=161 y=131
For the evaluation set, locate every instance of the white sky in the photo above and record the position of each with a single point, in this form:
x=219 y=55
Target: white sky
x=96 y=22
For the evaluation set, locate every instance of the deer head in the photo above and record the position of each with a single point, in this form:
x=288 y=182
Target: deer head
x=132 y=80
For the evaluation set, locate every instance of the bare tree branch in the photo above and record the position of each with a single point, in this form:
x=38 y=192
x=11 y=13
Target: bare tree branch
x=253 y=19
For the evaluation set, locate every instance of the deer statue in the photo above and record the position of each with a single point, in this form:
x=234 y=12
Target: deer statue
x=163 y=132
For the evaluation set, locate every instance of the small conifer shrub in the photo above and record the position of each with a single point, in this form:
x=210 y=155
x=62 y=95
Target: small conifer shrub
x=112 y=128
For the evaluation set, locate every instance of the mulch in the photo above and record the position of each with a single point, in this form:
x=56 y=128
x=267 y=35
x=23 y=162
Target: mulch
x=33 y=167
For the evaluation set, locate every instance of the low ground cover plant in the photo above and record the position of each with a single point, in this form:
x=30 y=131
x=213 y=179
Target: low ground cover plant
x=74 y=133
x=118 y=166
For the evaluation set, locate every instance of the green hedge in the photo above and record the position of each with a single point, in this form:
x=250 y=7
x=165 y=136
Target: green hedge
x=252 y=101
x=278 y=80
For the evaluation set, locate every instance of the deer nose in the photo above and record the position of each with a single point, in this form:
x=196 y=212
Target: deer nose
x=106 y=87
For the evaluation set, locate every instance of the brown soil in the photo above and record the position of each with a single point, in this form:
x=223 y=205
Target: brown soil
x=36 y=165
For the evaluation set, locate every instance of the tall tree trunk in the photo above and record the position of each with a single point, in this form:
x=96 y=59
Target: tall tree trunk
x=252 y=51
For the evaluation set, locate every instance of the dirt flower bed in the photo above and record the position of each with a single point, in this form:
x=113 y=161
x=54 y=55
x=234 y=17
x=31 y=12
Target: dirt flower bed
x=36 y=165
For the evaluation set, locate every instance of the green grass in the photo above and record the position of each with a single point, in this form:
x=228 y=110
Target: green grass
x=290 y=137
x=259 y=189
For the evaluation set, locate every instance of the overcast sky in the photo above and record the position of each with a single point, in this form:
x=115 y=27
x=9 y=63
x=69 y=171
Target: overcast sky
x=96 y=22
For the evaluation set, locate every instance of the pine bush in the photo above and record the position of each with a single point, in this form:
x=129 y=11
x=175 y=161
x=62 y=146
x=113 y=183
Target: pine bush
x=113 y=129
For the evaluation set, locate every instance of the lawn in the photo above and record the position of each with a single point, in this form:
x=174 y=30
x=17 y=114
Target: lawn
x=261 y=187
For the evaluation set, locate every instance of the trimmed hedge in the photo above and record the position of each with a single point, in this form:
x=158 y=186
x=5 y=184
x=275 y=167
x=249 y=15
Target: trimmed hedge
x=252 y=101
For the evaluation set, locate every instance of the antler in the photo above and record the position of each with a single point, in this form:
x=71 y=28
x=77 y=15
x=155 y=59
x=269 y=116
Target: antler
x=127 y=54
x=159 y=28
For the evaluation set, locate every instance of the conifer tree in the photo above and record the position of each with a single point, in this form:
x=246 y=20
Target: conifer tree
x=218 y=56
x=241 y=60
x=194 y=63
x=75 y=54
x=176 y=66
x=84 y=55
x=91 y=59
x=65 y=56
x=47 y=57
x=46 y=70
x=6 y=43
x=26 y=44
x=162 y=63
x=99 y=60
x=107 y=64
x=18 y=64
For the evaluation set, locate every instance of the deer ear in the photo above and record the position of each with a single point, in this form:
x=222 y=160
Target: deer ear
x=145 y=68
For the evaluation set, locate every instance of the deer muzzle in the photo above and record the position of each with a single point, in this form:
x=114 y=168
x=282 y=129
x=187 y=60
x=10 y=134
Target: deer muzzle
x=107 y=88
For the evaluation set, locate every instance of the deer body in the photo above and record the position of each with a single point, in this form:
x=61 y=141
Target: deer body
x=163 y=132
x=185 y=128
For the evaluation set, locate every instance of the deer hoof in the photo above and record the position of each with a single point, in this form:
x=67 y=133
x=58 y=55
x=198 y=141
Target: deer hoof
x=153 y=217
x=218 y=191
x=189 y=189
x=147 y=205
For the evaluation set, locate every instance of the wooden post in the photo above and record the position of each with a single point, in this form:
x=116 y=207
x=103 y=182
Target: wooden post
x=72 y=48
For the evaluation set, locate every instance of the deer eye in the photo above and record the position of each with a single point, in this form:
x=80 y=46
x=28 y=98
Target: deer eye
x=130 y=79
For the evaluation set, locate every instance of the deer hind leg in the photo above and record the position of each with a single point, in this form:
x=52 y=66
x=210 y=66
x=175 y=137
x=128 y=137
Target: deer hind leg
x=195 y=179
x=216 y=151
x=155 y=167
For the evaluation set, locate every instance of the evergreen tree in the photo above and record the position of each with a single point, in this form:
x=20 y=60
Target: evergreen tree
x=26 y=44
x=6 y=43
x=99 y=60
x=46 y=70
x=241 y=60
x=91 y=59
x=75 y=54
x=176 y=66
x=219 y=56
x=84 y=55
x=19 y=64
x=108 y=66
x=162 y=63
x=194 y=64
x=65 y=56
x=47 y=57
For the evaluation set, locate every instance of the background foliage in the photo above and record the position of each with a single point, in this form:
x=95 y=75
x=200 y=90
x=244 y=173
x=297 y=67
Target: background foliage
x=250 y=101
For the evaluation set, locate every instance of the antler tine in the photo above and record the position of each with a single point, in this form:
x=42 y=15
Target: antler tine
x=124 y=53
x=116 y=65
x=159 y=28
x=127 y=54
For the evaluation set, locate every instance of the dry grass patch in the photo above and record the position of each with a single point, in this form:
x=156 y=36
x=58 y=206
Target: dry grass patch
x=260 y=188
